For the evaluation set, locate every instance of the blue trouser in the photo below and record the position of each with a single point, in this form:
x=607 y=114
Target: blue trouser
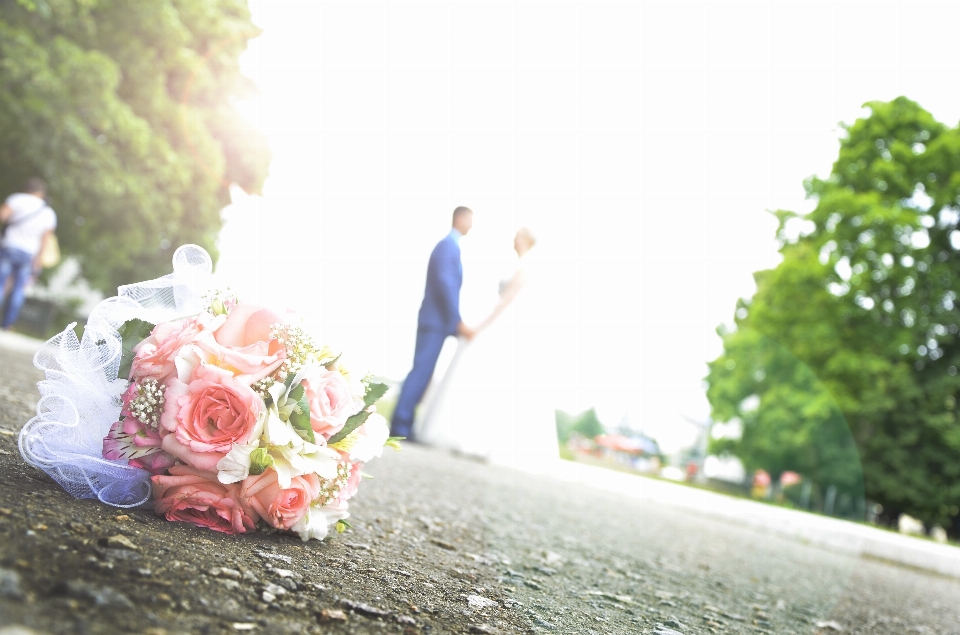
x=426 y=353
x=19 y=264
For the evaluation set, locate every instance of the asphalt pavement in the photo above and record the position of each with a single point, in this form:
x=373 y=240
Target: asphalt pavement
x=440 y=544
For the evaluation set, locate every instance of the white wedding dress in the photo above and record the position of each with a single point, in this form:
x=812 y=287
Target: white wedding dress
x=493 y=402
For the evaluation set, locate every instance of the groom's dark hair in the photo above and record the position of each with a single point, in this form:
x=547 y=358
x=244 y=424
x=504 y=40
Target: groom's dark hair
x=35 y=184
x=460 y=211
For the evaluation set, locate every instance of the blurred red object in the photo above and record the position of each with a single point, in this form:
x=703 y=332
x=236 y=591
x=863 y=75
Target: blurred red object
x=761 y=479
x=790 y=478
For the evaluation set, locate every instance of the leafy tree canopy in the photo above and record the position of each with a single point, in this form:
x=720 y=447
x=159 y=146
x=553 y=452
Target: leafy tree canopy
x=586 y=424
x=857 y=327
x=124 y=107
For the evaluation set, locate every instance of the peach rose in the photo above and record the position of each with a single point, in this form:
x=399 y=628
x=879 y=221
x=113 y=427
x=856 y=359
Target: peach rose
x=331 y=401
x=282 y=508
x=246 y=324
x=193 y=496
x=250 y=363
x=204 y=461
x=212 y=412
x=154 y=356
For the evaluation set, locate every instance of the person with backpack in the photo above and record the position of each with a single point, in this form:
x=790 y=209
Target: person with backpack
x=28 y=225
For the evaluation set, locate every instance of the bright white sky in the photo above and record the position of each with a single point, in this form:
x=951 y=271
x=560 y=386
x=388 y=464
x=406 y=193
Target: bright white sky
x=642 y=142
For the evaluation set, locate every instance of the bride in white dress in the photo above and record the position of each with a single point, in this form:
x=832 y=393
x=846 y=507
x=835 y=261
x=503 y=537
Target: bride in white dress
x=493 y=402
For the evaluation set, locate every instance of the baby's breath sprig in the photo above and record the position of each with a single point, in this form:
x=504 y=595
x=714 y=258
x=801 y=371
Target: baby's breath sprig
x=261 y=387
x=148 y=404
x=330 y=489
x=219 y=301
x=300 y=347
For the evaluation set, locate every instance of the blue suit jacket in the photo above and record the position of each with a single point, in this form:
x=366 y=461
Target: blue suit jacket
x=440 y=310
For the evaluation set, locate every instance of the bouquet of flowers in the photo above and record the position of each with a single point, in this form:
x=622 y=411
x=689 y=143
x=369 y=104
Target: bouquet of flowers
x=231 y=415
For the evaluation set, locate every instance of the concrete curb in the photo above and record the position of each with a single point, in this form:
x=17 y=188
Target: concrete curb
x=832 y=533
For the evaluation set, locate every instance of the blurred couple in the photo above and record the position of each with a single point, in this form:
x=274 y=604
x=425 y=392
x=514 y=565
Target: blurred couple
x=490 y=402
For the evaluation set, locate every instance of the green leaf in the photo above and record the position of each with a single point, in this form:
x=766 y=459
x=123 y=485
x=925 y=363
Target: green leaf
x=260 y=460
x=297 y=393
x=352 y=424
x=132 y=332
x=333 y=362
x=300 y=416
x=394 y=442
x=374 y=392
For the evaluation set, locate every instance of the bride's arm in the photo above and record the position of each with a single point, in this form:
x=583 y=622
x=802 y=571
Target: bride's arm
x=506 y=297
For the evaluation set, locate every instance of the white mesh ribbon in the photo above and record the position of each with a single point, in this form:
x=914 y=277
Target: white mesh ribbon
x=80 y=397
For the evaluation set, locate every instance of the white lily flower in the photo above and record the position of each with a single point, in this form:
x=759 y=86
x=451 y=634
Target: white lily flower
x=235 y=466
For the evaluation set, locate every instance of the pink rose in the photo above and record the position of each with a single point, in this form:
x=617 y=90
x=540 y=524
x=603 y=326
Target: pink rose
x=250 y=363
x=212 y=412
x=282 y=508
x=155 y=355
x=330 y=399
x=193 y=496
x=205 y=461
x=246 y=324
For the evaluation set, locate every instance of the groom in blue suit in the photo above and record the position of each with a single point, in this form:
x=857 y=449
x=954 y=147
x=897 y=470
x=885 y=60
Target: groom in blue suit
x=439 y=318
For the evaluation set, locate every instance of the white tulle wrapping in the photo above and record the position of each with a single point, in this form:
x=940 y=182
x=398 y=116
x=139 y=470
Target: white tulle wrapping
x=80 y=397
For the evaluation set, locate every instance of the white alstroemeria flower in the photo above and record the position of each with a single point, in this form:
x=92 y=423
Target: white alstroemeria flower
x=370 y=438
x=311 y=525
x=316 y=522
x=235 y=466
x=278 y=391
x=310 y=458
x=285 y=471
x=276 y=431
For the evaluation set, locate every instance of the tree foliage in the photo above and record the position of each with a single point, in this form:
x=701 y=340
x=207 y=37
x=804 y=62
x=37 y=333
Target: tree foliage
x=586 y=424
x=857 y=327
x=124 y=106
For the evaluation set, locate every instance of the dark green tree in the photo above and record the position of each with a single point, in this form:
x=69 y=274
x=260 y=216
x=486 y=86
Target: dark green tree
x=586 y=424
x=124 y=106
x=857 y=327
